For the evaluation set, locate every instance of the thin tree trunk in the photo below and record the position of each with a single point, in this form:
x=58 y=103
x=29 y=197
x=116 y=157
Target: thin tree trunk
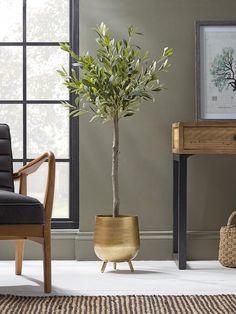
x=115 y=155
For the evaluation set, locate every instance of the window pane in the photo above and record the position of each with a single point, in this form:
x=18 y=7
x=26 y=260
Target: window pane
x=48 y=20
x=43 y=81
x=47 y=129
x=11 y=73
x=12 y=115
x=17 y=166
x=11 y=20
x=37 y=183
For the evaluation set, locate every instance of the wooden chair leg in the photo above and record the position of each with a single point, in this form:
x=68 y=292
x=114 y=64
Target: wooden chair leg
x=47 y=264
x=20 y=245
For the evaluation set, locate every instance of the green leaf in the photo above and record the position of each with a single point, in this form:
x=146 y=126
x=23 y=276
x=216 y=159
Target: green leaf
x=168 y=52
x=129 y=114
x=65 y=47
x=93 y=118
x=87 y=82
x=61 y=73
x=145 y=56
x=131 y=30
x=157 y=89
x=77 y=101
x=118 y=45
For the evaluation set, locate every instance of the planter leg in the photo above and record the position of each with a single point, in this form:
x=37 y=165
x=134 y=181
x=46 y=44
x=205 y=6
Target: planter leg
x=131 y=266
x=114 y=266
x=104 y=264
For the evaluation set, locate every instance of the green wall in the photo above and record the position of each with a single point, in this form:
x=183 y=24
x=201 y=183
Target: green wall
x=145 y=158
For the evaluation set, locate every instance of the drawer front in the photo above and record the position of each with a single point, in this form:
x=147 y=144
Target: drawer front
x=209 y=138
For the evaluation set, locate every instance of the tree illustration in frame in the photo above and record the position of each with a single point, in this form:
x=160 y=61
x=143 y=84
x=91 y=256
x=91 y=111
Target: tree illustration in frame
x=223 y=70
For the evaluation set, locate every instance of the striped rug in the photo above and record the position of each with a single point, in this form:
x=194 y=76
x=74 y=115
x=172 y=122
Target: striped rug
x=219 y=304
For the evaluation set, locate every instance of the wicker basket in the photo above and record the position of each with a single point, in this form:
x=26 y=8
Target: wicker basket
x=227 y=250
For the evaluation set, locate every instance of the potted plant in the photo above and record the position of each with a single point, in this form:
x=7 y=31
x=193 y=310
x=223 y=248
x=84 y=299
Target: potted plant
x=111 y=86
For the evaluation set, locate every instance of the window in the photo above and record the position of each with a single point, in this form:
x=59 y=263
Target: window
x=31 y=92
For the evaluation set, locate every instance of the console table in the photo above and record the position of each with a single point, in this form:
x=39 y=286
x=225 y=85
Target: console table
x=193 y=138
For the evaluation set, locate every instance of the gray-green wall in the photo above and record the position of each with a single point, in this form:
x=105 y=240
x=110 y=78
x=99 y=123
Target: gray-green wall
x=145 y=158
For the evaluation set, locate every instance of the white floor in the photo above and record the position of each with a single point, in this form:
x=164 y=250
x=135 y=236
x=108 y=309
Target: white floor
x=150 y=277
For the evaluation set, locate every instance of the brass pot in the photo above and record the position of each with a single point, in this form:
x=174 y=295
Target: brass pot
x=116 y=239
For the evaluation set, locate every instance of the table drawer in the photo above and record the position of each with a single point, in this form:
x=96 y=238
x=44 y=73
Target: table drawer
x=209 y=138
x=203 y=138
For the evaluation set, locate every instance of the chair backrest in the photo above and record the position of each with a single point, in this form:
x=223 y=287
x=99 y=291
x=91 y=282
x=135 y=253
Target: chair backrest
x=6 y=171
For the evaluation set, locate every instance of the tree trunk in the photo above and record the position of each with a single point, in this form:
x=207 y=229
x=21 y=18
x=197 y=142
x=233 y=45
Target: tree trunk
x=115 y=155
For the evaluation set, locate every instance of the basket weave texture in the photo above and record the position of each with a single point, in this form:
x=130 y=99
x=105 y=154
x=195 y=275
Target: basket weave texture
x=227 y=249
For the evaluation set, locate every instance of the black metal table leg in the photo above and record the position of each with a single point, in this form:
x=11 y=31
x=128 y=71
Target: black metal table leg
x=182 y=212
x=180 y=209
x=175 y=206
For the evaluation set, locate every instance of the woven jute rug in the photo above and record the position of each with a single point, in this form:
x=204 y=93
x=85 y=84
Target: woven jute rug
x=219 y=304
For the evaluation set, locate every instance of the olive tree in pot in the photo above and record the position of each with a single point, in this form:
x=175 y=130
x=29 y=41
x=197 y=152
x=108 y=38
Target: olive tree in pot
x=111 y=86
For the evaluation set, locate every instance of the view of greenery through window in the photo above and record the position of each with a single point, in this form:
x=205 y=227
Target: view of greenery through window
x=31 y=91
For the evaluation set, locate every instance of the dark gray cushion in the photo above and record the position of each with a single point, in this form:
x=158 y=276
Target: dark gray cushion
x=6 y=172
x=20 y=209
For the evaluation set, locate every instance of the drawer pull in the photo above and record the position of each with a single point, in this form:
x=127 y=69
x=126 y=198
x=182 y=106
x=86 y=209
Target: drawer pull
x=234 y=137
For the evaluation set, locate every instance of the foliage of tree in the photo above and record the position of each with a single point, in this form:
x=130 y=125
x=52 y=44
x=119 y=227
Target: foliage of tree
x=113 y=84
x=223 y=69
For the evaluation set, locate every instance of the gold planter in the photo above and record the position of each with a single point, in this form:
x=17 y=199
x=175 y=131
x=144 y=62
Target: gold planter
x=116 y=239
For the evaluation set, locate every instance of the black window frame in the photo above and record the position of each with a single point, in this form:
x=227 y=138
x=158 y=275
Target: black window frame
x=73 y=220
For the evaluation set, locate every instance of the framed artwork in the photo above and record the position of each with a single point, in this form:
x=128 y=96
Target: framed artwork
x=216 y=70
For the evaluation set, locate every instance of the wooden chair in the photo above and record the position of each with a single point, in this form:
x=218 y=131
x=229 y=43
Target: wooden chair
x=23 y=217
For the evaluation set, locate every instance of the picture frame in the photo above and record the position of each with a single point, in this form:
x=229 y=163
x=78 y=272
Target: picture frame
x=215 y=70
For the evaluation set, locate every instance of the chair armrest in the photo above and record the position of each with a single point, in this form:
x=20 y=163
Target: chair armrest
x=31 y=167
